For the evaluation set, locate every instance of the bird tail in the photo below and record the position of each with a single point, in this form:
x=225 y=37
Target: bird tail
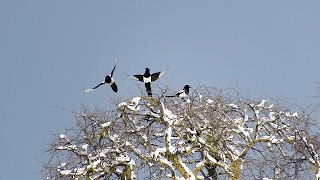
x=170 y=96
x=149 y=93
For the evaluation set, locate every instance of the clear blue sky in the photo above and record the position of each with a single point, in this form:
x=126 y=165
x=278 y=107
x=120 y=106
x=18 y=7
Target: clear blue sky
x=51 y=50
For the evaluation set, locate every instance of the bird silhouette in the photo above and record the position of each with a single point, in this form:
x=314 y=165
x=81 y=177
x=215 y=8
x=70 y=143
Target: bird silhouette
x=109 y=80
x=183 y=93
x=147 y=78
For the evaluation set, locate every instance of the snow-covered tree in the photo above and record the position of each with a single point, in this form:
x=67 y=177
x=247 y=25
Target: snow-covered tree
x=212 y=134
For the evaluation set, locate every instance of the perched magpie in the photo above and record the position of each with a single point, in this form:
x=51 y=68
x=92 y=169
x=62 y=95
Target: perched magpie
x=147 y=78
x=109 y=80
x=183 y=93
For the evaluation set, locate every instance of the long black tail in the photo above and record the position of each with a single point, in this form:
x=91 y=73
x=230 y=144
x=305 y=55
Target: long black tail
x=148 y=88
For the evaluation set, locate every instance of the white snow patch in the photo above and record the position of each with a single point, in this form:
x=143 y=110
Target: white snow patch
x=94 y=164
x=158 y=151
x=122 y=104
x=272 y=116
x=123 y=159
x=60 y=147
x=192 y=131
x=295 y=115
x=200 y=96
x=173 y=149
x=261 y=103
x=249 y=129
x=201 y=140
x=210 y=158
x=168 y=132
x=79 y=171
x=154 y=113
x=62 y=165
x=134 y=104
x=288 y=114
x=169 y=116
x=158 y=134
x=71 y=147
x=84 y=147
x=165 y=161
x=265 y=178
x=291 y=138
x=192 y=177
x=105 y=124
x=234 y=150
x=275 y=126
x=145 y=138
x=233 y=105
x=210 y=101
x=114 y=137
x=62 y=136
x=64 y=172
x=200 y=164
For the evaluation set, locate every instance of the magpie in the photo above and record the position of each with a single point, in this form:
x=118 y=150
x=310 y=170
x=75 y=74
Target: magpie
x=183 y=93
x=147 y=78
x=109 y=80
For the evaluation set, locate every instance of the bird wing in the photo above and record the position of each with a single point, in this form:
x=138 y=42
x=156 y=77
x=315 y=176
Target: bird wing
x=113 y=70
x=88 y=89
x=157 y=75
x=114 y=87
x=115 y=59
x=182 y=94
x=179 y=93
x=137 y=77
x=92 y=89
x=115 y=64
x=99 y=85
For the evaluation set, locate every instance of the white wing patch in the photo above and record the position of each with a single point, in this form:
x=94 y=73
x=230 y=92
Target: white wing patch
x=88 y=90
x=162 y=72
x=131 y=77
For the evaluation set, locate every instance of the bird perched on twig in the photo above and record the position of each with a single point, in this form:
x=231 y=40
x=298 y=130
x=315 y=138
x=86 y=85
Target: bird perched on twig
x=147 y=78
x=109 y=80
x=183 y=93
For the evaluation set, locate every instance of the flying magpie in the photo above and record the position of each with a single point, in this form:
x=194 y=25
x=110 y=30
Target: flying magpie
x=109 y=80
x=183 y=93
x=147 y=78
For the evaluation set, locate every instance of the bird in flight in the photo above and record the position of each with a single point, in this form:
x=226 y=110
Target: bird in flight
x=109 y=80
x=147 y=78
x=183 y=93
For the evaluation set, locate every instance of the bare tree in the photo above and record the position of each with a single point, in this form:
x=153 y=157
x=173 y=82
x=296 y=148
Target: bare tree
x=212 y=134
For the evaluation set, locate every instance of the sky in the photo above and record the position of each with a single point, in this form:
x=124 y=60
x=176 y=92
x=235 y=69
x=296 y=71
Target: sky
x=51 y=50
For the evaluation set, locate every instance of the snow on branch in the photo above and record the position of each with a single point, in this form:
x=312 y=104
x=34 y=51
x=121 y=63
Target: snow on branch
x=209 y=135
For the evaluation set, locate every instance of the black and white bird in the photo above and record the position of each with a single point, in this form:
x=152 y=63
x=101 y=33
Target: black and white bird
x=109 y=80
x=147 y=78
x=183 y=93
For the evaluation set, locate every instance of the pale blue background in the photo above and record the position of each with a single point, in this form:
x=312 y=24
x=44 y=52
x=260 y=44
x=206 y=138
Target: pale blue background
x=51 y=50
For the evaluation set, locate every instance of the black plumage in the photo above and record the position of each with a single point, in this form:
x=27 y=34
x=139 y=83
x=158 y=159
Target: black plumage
x=183 y=93
x=109 y=80
x=147 y=78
